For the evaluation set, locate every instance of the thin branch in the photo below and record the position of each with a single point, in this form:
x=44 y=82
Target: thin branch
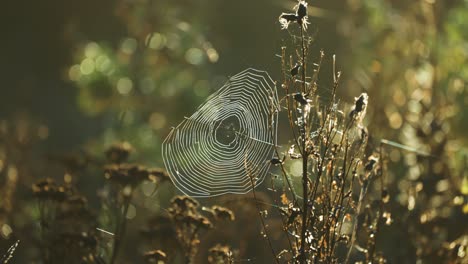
x=259 y=211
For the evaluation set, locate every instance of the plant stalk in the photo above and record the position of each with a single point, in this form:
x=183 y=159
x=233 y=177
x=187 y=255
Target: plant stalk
x=305 y=157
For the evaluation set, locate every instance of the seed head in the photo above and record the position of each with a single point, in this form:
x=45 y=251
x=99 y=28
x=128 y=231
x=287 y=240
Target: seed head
x=301 y=98
x=301 y=10
x=295 y=70
x=300 y=17
x=222 y=213
x=359 y=110
x=119 y=152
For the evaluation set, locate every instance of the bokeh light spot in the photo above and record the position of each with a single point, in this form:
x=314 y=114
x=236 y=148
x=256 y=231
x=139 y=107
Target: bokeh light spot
x=87 y=66
x=184 y=26
x=92 y=49
x=12 y=173
x=157 y=120
x=67 y=178
x=103 y=63
x=74 y=73
x=129 y=45
x=395 y=120
x=157 y=41
x=6 y=231
x=212 y=54
x=124 y=86
x=194 y=56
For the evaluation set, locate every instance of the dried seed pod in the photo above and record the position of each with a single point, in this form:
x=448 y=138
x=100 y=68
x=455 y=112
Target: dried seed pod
x=286 y=18
x=300 y=17
x=276 y=161
x=385 y=196
x=301 y=10
x=359 y=109
x=301 y=98
x=370 y=164
x=295 y=70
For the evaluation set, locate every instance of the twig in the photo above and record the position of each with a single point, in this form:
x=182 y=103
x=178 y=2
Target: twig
x=259 y=211
x=120 y=229
x=305 y=157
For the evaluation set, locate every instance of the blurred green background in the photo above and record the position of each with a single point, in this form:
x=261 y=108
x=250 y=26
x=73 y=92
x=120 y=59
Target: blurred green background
x=81 y=75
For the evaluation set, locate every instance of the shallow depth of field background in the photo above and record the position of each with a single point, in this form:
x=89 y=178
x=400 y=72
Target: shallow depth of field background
x=77 y=76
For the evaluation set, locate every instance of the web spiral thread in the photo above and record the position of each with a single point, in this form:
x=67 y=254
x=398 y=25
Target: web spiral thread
x=228 y=141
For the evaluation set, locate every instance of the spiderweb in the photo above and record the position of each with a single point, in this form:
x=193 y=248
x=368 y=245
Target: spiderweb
x=228 y=140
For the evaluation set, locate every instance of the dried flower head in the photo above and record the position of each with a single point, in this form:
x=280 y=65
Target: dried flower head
x=157 y=175
x=126 y=174
x=295 y=70
x=154 y=256
x=370 y=164
x=276 y=161
x=300 y=17
x=119 y=152
x=201 y=221
x=48 y=189
x=359 y=109
x=220 y=254
x=184 y=202
x=301 y=98
x=222 y=213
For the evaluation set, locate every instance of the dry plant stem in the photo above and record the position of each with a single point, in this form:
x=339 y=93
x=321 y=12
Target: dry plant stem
x=342 y=195
x=291 y=118
x=381 y=204
x=46 y=250
x=287 y=85
x=259 y=211
x=337 y=213
x=320 y=168
x=283 y=171
x=305 y=157
x=120 y=230
x=189 y=251
x=329 y=140
x=326 y=147
x=291 y=248
x=47 y=212
x=285 y=175
x=288 y=82
x=358 y=212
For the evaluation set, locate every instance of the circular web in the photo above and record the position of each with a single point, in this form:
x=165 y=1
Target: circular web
x=228 y=140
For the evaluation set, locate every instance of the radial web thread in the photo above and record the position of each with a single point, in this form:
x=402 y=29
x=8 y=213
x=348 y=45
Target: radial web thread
x=229 y=139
